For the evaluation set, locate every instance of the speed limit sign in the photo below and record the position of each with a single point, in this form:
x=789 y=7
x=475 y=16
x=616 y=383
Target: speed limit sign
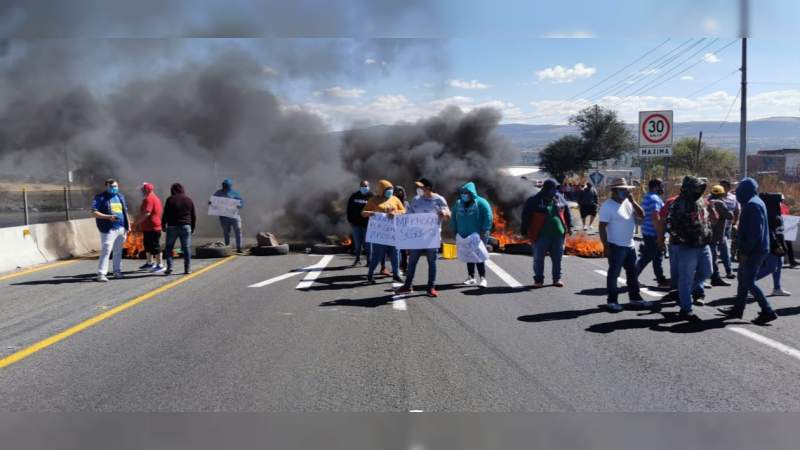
x=655 y=133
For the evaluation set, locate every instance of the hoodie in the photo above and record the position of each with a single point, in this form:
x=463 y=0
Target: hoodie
x=178 y=209
x=379 y=203
x=227 y=191
x=356 y=204
x=535 y=212
x=753 y=233
x=474 y=216
x=688 y=222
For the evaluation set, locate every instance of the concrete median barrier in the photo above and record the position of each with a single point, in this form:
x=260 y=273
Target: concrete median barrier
x=30 y=245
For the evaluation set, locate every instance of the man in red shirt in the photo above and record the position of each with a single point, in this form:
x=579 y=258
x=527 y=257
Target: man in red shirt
x=149 y=222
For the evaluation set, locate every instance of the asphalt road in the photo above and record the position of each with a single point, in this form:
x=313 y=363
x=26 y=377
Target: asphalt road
x=212 y=343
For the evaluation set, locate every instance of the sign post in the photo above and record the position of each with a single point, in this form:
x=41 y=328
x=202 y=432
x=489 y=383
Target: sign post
x=655 y=134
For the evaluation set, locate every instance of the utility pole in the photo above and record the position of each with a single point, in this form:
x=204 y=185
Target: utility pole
x=699 y=150
x=68 y=188
x=744 y=7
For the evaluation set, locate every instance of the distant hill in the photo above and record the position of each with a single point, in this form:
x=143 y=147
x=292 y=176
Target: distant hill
x=770 y=133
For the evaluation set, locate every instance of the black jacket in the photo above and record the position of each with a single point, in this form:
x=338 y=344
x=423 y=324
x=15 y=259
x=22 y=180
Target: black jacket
x=178 y=209
x=355 y=204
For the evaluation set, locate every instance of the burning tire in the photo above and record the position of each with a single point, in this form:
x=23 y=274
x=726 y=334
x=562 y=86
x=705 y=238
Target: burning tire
x=212 y=251
x=270 y=250
x=519 y=249
x=327 y=249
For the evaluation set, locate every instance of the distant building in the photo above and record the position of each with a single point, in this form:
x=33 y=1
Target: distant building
x=784 y=161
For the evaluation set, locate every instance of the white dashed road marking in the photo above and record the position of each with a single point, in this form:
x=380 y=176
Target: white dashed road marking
x=314 y=272
x=509 y=280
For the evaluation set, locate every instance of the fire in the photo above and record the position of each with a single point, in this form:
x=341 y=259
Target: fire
x=582 y=245
x=134 y=245
x=501 y=232
x=346 y=241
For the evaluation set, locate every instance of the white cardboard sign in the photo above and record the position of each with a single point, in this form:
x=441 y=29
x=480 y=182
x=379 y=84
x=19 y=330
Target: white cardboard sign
x=407 y=231
x=223 y=206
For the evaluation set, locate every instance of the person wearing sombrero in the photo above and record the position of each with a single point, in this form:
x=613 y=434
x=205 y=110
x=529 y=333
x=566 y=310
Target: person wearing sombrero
x=618 y=217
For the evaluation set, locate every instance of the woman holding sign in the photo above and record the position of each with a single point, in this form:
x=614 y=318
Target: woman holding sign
x=383 y=203
x=472 y=214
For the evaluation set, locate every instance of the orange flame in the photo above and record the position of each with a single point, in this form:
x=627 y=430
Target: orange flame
x=501 y=232
x=134 y=245
x=582 y=245
x=346 y=241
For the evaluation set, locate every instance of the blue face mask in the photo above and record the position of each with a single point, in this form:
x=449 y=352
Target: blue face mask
x=464 y=198
x=363 y=190
x=388 y=193
x=113 y=189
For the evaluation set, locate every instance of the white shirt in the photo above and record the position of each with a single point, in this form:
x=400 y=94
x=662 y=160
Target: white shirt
x=620 y=222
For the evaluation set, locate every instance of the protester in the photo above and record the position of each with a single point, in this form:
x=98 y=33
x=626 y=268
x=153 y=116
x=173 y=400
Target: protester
x=674 y=257
x=358 y=223
x=788 y=245
x=730 y=226
x=773 y=263
x=720 y=215
x=426 y=201
x=149 y=223
x=546 y=220
x=618 y=217
x=229 y=223
x=650 y=250
x=179 y=221
x=472 y=214
x=111 y=216
x=753 y=244
x=587 y=204
x=400 y=193
x=383 y=203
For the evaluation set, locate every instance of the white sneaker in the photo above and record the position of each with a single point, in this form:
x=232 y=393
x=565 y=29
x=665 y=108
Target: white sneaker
x=780 y=293
x=483 y=283
x=158 y=269
x=585 y=228
x=101 y=279
x=470 y=282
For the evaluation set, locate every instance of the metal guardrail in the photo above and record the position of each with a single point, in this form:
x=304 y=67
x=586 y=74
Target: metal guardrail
x=27 y=207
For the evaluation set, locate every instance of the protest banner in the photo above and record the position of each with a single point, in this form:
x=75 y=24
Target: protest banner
x=418 y=231
x=223 y=206
x=790 y=227
x=471 y=249
x=380 y=230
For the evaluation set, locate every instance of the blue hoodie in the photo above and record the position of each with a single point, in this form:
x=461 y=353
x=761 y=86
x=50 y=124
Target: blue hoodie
x=753 y=234
x=227 y=191
x=472 y=217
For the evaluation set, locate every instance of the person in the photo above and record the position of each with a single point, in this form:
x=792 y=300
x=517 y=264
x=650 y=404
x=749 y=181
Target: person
x=149 y=222
x=472 y=214
x=788 y=245
x=546 y=221
x=426 y=201
x=111 y=217
x=720 y=215
x=773 y=263
x=730 y=226
x=754 y=246
x=650 y=250
x=229 y=223
x=400 y=193
x=618 y=217
x=587 y=205
x=383 y=203
x=690 y=230
x=179 y=221
x=358 y=223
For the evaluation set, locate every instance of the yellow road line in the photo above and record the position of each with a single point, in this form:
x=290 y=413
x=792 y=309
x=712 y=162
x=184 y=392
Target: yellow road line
x=24 y=353
x=38 y=268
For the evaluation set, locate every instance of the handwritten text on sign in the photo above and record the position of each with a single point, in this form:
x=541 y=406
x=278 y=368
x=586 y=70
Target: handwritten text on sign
x=790 y=227
x=223 y=206
x=408 y=231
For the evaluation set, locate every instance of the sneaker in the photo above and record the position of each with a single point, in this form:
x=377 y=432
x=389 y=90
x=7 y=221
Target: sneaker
x=397 y=279
x=470 y=282
x=483 y=283
x=385 y=272
x=187 y=271
x=765 y=317
x=157 y=269
x=538 y=285
x=146 y=266
x=118 y=275
x=699 y=301
x=780 y=293
x=369 y=282
x=404 y=290
x=168 y=271
x=101 y=279
x=432 y=292
x=732 y=312
x=640 y=304
x=730 y=276
x=664 y=284
x=719 y=282
x=356 y=262
x=613 y=307
x=689 y=317
x=558 y=283
x=585 y=228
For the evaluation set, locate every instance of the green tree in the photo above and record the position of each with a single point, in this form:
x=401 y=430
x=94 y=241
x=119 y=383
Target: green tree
x=603 y=134
x=563 y=157
x=687 y=159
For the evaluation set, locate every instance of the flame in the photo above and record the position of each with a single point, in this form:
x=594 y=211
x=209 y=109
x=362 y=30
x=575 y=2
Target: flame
x=582 y=245
x=501 y=232
x=346 y=241
x=134 y=245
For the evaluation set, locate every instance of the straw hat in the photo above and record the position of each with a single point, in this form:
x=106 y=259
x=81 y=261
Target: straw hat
x=619 y=183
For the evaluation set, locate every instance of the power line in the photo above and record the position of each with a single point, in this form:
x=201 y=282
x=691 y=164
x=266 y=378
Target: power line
x=713 y=83
x=730 y=109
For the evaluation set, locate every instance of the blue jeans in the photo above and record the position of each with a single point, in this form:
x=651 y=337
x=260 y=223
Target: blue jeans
x=378 y=253
x=720 y=249
x=228 y=223
x=674 y=259
x=694 y=268
x=553 y=244
x=359 y=235
x=413 y=258
x=772 y=265
x=748 y=270
x=184 y=232
x=651 y=252
x=622 y=257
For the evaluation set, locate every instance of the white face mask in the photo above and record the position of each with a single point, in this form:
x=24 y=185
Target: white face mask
x=420 y=192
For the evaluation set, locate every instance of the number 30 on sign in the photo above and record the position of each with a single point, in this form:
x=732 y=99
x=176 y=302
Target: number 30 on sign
x=655 y=133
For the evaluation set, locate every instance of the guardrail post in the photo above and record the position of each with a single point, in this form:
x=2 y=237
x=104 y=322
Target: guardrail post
x=66 y=202
x=25 y=205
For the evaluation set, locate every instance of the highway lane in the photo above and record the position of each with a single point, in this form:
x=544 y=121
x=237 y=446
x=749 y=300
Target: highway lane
x=215 y=344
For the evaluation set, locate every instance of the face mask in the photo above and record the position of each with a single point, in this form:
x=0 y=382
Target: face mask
x=113 y=189
x=364 y=190
x=420 y=192
x=388 y=193
x=465 y=198
x=619 y=196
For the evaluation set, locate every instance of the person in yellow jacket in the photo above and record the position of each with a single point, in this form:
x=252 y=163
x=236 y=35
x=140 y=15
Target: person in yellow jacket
x=384 y=203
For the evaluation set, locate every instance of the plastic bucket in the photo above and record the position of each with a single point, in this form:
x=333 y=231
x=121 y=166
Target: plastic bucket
x=449 y=251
